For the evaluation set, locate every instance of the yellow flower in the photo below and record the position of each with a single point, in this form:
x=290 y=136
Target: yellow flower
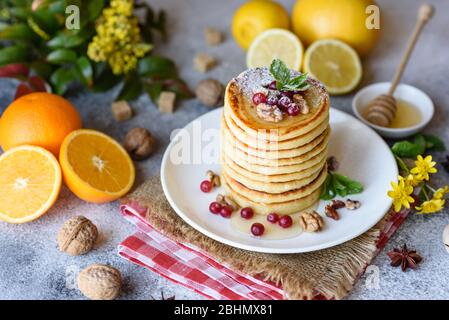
x=431 y=206
x=412 y=180
x=118 y=39
x=424 y=167
x=401 y=194
x=441 y=192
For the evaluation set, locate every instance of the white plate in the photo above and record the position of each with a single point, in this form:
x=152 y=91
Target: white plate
x=362 y=154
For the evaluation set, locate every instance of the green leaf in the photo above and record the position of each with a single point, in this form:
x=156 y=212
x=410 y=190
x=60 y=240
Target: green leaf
x=44 y=70
x=20 y=31
x=157 y=67
x=132 y=88
x=434 y=143
x=407 y=149
x=153 y=90
x=420 y=141
x=351 y=186
x=85 y=69
x=65 y=41
x=328 y=192
x=297 y=83
x=94 y=8
x=179 y=87
x=61 y=56
x=62 y=78
x=280 y=73
x=13 y=54
x=20 y=12
x=104 y=79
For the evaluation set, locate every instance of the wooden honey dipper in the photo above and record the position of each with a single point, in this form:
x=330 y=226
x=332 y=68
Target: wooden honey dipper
x=382 y=110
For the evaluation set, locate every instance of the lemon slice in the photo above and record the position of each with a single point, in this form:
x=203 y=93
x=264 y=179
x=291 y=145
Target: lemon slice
x=275 y=44
x=335 y=64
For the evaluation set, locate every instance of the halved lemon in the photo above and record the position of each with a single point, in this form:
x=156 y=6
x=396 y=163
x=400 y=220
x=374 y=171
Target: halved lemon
x=275 y=44
x=95 y=167
x=30 y=181
x=335 y=64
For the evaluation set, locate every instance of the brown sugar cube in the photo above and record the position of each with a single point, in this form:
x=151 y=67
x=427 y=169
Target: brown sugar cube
x=213 y=36
x=121 y=110
x=204 y=62
x=166 y=102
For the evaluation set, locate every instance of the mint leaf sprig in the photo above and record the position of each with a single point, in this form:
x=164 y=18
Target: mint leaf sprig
x=339 y=185
x=284 y=81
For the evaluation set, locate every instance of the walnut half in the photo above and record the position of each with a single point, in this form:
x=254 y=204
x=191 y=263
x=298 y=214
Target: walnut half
x=311 y=221
x=269 y=113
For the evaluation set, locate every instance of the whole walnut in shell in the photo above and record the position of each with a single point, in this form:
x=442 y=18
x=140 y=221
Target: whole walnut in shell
x=139 y=143
x=210 y=92
x=100 y=282
x=77 y=236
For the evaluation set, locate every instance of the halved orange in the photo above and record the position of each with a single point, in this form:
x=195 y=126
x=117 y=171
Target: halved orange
x=30 y=181
x=96 y=168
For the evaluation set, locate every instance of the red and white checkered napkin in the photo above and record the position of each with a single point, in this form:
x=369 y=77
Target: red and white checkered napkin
x=192 y=267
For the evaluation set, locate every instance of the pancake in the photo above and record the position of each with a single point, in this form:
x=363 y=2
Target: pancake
x=272 y=187
x=265 y=197
x=271 y=155
x=277 y=170
x=237 y=154
x=263 y=141
x=271 y=178
x=287 y=207
x=238 y=105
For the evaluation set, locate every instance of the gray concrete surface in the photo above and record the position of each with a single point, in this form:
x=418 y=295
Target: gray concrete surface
x=31 y=267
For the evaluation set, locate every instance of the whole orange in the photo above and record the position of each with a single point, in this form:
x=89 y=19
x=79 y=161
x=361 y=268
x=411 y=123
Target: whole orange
x=39 y=119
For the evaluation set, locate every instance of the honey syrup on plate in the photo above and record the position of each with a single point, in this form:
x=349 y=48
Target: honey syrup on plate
x=407 y=115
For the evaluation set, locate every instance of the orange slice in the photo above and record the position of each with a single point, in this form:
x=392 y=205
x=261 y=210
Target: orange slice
x=95 y=167
x=30 y=181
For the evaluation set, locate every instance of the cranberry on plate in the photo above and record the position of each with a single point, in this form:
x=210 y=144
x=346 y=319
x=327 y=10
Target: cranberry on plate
x=247 y=213
x=215 y=207
x=273 y=217
x=226 y=211
x=206 y=186
x=257 y=229
x=285 y=221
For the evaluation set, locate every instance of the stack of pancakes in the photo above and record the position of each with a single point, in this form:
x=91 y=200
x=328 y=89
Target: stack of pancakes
x=273 y=166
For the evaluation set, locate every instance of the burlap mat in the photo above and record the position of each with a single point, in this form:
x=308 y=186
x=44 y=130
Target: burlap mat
x=328 y=273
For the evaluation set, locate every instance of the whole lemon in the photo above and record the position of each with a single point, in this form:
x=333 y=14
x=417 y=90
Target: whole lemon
x=39 y=119
x=337 y=19
x=256 y=16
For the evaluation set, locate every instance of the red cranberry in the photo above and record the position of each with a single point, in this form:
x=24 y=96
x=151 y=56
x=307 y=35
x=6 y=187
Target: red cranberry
x=285 y=221
x=259 y=98
x=226 y=211
x=247 y=213
x=272 y=100
x=288 y=94
x=215 y=207
x=257 y=229
x=272 y=85
x=284 y=102
x=273 y=217
x=293 y=110
x=206 y=186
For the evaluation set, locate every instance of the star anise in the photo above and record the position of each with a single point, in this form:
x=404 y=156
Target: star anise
x=404 y=258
